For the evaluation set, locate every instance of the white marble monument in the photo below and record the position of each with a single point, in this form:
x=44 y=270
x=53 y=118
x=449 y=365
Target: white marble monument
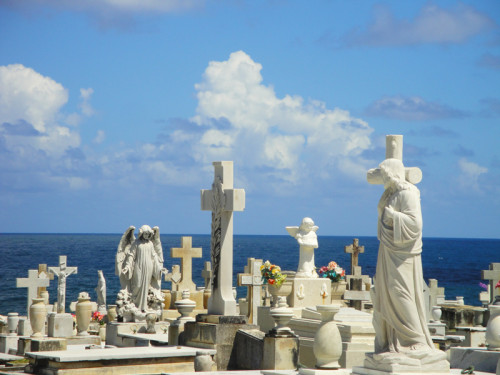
x=307 y=239
x=62 y=272
x=222 y=200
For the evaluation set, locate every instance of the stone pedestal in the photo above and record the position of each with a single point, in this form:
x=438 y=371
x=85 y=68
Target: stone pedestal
x=8 y=343
x=481 y=358
x=280 y=353
x=216 y=332
x=437 y=328
x=60 y=325
x=309 y=292
x=357 y=339
x=122 y=334
x=475 y=337
x=196 y=296
x=40 y=345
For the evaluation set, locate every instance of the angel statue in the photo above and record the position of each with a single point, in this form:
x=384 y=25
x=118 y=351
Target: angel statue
x=139 y=265
x=308 y=241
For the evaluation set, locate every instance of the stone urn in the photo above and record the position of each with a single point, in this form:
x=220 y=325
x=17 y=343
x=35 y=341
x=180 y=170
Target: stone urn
x=493 y=328
x=83 y=314
x=102 y=333
x=12 y=322
x=203 y=361
x=150 y=322
x=112 y=314
x=38 y=314
x=283 y=290
x=167 y=299
x=338 y=290
x=45 y=295
x=327 y=345
x=436 y=313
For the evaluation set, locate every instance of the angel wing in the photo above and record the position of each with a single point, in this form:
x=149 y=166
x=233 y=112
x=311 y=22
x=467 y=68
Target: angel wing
x=157 y=244
x=292 y=231
x=126 y=242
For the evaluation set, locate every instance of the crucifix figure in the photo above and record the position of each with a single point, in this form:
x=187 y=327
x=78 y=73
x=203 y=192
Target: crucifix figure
x=252 y=279
x=222 y=200
x=62 y=272
x=33 y=282
x=186 y=253
x=354 y=250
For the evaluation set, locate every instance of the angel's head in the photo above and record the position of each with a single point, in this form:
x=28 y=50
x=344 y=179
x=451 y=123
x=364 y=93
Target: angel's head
x=145 y=232
x=307 y=224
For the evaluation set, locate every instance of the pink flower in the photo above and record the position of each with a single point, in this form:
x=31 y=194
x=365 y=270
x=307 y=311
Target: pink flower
x=332 y=265
x=498 y=284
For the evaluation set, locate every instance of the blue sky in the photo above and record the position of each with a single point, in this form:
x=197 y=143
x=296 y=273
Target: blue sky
x=111 y=113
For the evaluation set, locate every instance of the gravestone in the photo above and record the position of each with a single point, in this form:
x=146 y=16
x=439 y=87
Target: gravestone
x=493 y=275
x=222 y=200
x=62 y=272
x=186 y=252
x=354 y=250
x=358 y=293
x=436 y=294
x=33 y=282
x=206 y=274
x=253 y=281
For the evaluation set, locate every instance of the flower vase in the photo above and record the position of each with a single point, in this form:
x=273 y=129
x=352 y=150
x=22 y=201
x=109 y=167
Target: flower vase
x=327 y=345
x=493 y=328
x=338 y=290
x=12 y=322
x=83 y=315
x=38 y=314
x=102 y=333
x=112 y=313
x=283 y=290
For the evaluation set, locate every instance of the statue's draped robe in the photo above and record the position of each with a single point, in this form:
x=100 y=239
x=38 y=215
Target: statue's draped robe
x=146 y=271
x=399 y=306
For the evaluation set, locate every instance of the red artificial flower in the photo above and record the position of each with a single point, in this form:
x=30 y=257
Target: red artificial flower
x=498 y=284
x=270 y=281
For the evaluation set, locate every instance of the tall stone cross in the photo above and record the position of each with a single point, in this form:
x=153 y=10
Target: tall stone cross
x=62 y=272
x=493 y=275
x=222 y=200
x=43 y=273
x=394 y=150
x=186 y=253
x=207 y=275
x=253 y=280
x=354 y=250
x=33 y=282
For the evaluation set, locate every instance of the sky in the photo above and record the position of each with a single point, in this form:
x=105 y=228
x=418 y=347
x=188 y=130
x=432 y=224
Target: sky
x=112 y=112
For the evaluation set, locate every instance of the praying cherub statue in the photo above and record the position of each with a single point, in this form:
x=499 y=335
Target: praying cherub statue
x=308 y=241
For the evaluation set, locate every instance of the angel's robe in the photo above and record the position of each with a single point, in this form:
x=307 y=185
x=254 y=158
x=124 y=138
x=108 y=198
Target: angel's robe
x=146 y=271
x=399 y=316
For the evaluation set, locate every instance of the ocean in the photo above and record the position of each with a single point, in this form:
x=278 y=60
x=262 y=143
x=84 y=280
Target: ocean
x=455 y=263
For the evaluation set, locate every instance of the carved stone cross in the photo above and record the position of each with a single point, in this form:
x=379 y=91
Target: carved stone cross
x=43 y=273
x=354 y=250
x=62 y=272
x=186 y=253
x=436 y=294
x=207 y=275
x=222 y=200
x=394 y=150
x=493 y=275
x=252 y=279
x=33 y=282
x=174 y=277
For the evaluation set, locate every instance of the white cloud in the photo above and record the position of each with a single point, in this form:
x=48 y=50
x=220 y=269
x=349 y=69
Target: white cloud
x=432 y=25
x=470 y=173
x=100 y=137
x=411 y=109
x=288 y=136
x=85 y=95
x=28 y=98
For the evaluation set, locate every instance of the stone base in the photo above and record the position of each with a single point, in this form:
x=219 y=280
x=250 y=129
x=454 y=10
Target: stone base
x=60 y=325
x=311 y=371
x=216 y=332
x=475 y=337
x=415 y=362
x=45 y=344
x=437 y=328
x=8 y=343
x=114 y=361
x=118 y=334
x=280 y=353
x=481 y=358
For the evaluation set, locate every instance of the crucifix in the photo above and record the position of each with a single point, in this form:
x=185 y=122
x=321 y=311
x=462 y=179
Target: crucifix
x=222 y=200
x=252 y=279
x=354 y=250
x=33 y=282
x=493 y=275
x=394 y=150
x=186 y=253
x=207 y=276
x=62 y=272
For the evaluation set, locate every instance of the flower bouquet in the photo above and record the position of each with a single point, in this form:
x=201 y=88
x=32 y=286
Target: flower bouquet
x=98 y=317
x=332 y=271
x=271 y=274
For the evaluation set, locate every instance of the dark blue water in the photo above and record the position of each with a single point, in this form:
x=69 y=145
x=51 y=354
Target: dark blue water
x=456 y=263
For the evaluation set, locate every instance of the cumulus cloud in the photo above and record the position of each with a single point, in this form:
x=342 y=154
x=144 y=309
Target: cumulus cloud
x=470 y=173
x=247 y=122
x=411 y=109
x=432 y=24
